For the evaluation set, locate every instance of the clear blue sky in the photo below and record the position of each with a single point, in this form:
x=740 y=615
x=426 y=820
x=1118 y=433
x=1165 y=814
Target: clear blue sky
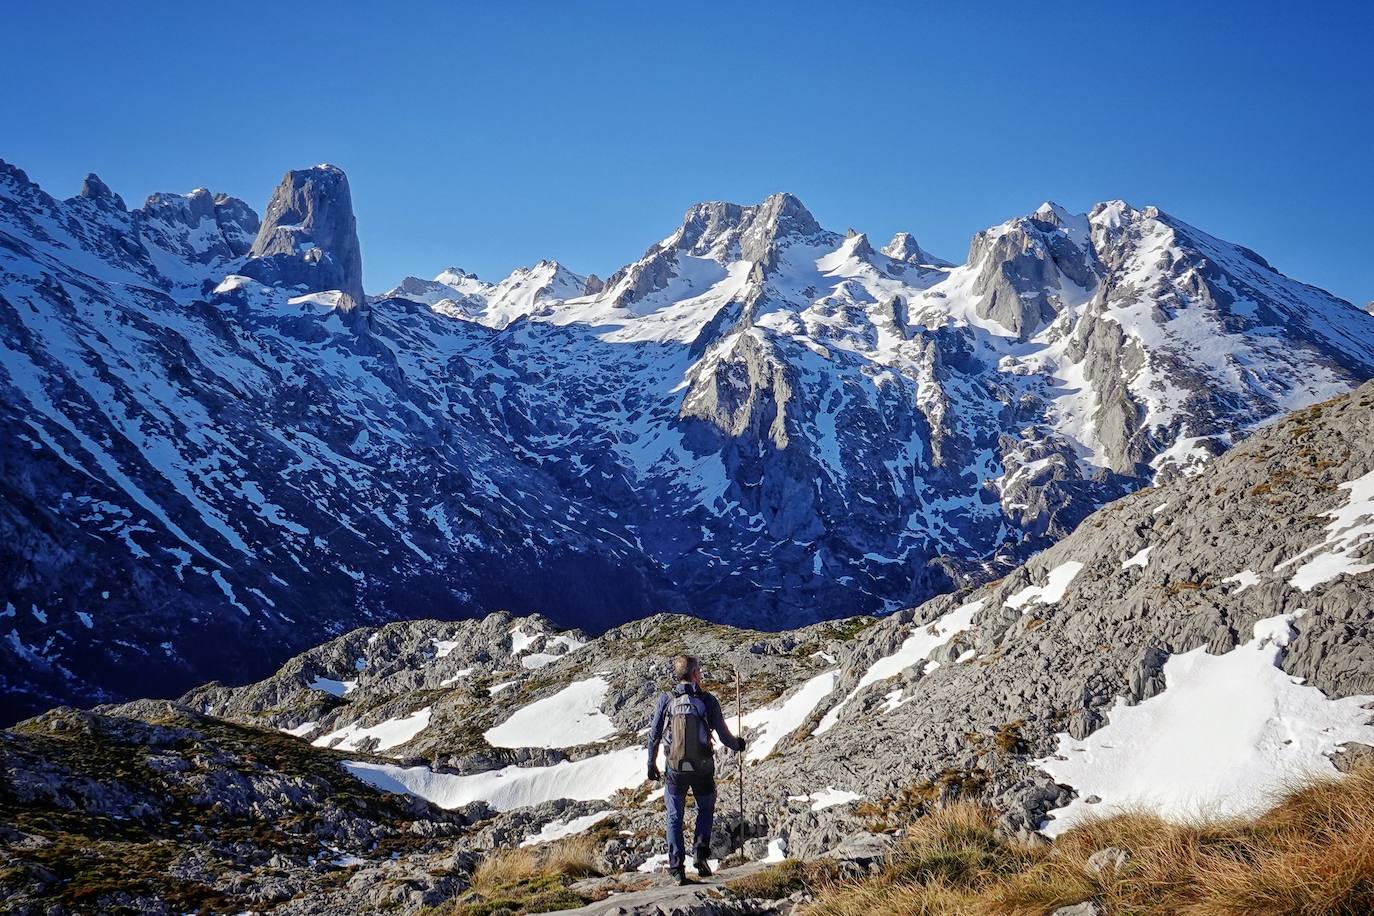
x=490 y=135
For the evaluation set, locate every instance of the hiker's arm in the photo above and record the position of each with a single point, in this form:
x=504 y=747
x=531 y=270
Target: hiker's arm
x=656 y=730
x=718 y=723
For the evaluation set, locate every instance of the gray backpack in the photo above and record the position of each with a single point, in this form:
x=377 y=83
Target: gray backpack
x=689 y=736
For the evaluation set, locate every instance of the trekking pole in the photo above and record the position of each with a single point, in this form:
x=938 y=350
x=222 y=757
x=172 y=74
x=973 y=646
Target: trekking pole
x=739 y=732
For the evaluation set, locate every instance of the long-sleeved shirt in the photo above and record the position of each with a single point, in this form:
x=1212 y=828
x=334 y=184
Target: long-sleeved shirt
x=715 y=719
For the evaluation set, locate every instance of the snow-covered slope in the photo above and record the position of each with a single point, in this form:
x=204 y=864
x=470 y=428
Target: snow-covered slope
x=211 y=447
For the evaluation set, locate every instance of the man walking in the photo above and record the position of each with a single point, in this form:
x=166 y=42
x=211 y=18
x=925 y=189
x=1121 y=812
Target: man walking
x=684 y=721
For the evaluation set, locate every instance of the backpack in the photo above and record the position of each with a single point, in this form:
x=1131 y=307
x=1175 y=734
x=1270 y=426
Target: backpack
x=689 y=736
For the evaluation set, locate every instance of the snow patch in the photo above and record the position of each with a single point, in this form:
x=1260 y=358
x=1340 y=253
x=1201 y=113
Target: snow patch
x=1347 y=537
x=777 y=722
x=828 y=797
x=1052 y=592
x=569 y=718
x=1140 y=559
x=590 y=779
x=1243 y=579
x=1227 y=735
x=557 y=830
x=333 y=687
x=389 y=734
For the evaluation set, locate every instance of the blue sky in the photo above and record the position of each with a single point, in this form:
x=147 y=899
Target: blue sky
x=487 y=136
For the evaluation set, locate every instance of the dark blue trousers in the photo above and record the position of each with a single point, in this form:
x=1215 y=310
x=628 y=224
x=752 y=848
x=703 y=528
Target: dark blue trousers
x=675 y=788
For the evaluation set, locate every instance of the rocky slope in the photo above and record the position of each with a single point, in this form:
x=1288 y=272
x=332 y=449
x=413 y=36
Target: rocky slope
x=1192 y=646
x=219 y=452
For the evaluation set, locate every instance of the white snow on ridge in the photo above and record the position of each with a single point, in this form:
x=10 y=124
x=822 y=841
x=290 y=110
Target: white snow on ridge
x=570 y=717
x=1351 y=532
x=828 y=797
x=1227 y=735
x=1141 y=559
x=590 y=779
x=332 y=687
x=777 y=851
x=389 y=734
x=1243 y=579
x=1052 y=592
x=916 y=647
x=520 y=640
x=777 y=722
x=557 y=830
x=1187 y=455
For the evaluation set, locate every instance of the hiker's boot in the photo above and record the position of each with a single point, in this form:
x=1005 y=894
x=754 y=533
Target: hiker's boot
x=703 y=867
x=679 y=875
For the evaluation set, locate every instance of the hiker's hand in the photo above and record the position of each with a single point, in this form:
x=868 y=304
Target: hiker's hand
x=741 y=746
x=654 y=774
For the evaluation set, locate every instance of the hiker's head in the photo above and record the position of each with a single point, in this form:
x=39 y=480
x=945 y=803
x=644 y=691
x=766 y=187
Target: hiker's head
x=687 y=669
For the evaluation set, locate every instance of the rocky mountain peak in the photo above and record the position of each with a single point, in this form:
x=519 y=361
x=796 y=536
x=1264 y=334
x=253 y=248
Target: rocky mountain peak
x=903 y=247
x=92 y=188
x=715 y=227
x=1022 y=264
x=309 y=236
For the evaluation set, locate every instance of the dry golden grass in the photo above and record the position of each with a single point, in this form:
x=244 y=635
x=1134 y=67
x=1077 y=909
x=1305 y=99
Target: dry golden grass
x=528 y=879
x=1312 y=854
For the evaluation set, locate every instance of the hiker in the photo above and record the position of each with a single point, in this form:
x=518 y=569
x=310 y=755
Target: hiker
x=684 y=719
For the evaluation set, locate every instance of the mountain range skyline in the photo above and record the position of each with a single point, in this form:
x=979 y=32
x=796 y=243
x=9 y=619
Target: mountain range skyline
x=759 y=420
x=538 y=146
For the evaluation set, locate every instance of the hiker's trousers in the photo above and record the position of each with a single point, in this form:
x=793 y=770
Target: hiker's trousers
x=675 y=788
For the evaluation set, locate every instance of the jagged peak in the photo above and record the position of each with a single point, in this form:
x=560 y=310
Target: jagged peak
x=92 y=188
x=455 y=273
x=308 y=234
x=1114 y=213
x=902 y=247
x=1053 y=213
x=858 y=245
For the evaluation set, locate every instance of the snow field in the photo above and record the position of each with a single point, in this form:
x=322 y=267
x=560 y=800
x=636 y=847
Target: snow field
x=1227 y=735
x=828 y=797
x=590 y=779
x=557 y=830
x=777 y=722
x=570 y=717
x=389 y=734
x=1052 y=592
x=917 y=647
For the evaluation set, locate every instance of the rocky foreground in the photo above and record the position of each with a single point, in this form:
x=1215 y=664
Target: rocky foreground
x=1191 y=646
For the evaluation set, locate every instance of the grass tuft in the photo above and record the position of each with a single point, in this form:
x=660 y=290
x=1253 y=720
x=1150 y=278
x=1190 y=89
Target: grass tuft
x=512 y=882
x=1313 y=853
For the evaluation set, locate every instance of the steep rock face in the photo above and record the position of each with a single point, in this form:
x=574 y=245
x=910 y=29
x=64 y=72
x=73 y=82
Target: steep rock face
x=309 y=236
x=781 y=425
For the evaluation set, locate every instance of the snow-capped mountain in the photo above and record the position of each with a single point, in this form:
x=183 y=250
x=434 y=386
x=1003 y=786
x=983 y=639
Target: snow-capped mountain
x=217 y=454
x=459 y=294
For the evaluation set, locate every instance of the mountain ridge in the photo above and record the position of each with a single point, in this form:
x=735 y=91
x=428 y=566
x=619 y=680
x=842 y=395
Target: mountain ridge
x=759 y=420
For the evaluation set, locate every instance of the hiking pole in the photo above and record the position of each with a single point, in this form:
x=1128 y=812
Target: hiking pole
x=739 y=732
